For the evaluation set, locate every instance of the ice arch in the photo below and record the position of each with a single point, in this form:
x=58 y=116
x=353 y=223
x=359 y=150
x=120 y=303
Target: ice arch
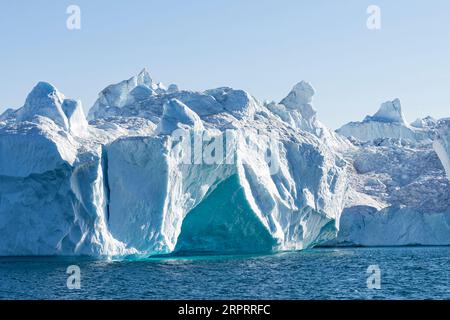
x=233 y=228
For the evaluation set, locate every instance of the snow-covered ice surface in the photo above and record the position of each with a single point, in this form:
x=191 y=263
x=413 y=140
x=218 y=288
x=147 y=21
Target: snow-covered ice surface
x=267 y=177
x=399 y=193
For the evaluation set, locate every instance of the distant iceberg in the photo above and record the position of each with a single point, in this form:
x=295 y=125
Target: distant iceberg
x=388 y=122
x=398 y=190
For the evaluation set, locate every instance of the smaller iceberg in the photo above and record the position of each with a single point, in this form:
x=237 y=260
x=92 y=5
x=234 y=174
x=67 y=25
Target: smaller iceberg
x=387 y=122
x=390 y=111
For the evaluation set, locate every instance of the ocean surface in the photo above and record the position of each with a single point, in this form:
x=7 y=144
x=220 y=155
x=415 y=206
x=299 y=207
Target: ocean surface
x=405 y=273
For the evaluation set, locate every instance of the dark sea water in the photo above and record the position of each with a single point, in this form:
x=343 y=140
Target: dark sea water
x=406 y=273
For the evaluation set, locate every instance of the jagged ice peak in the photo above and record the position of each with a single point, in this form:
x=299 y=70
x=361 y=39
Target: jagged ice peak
x=390 y=111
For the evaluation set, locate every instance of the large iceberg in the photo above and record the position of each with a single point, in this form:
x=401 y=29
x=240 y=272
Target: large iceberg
x=161 y=170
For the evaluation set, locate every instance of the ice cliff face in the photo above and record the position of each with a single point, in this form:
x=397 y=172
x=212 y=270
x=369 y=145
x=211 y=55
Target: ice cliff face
x=399 y=193
x=442 y=144
x=161 y=170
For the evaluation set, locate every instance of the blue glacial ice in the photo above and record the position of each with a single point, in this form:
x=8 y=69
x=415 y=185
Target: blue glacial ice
x=158 y=171
x=125 y=183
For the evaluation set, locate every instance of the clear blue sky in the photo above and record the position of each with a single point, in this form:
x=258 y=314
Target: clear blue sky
x=264 y=47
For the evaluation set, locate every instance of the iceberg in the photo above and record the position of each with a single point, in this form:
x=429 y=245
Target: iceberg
x=442 y=144
x=154 y=170
x=398 y=189
x=366 y=226
x=158 y=171
x=387 y=122
x=390 y=112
